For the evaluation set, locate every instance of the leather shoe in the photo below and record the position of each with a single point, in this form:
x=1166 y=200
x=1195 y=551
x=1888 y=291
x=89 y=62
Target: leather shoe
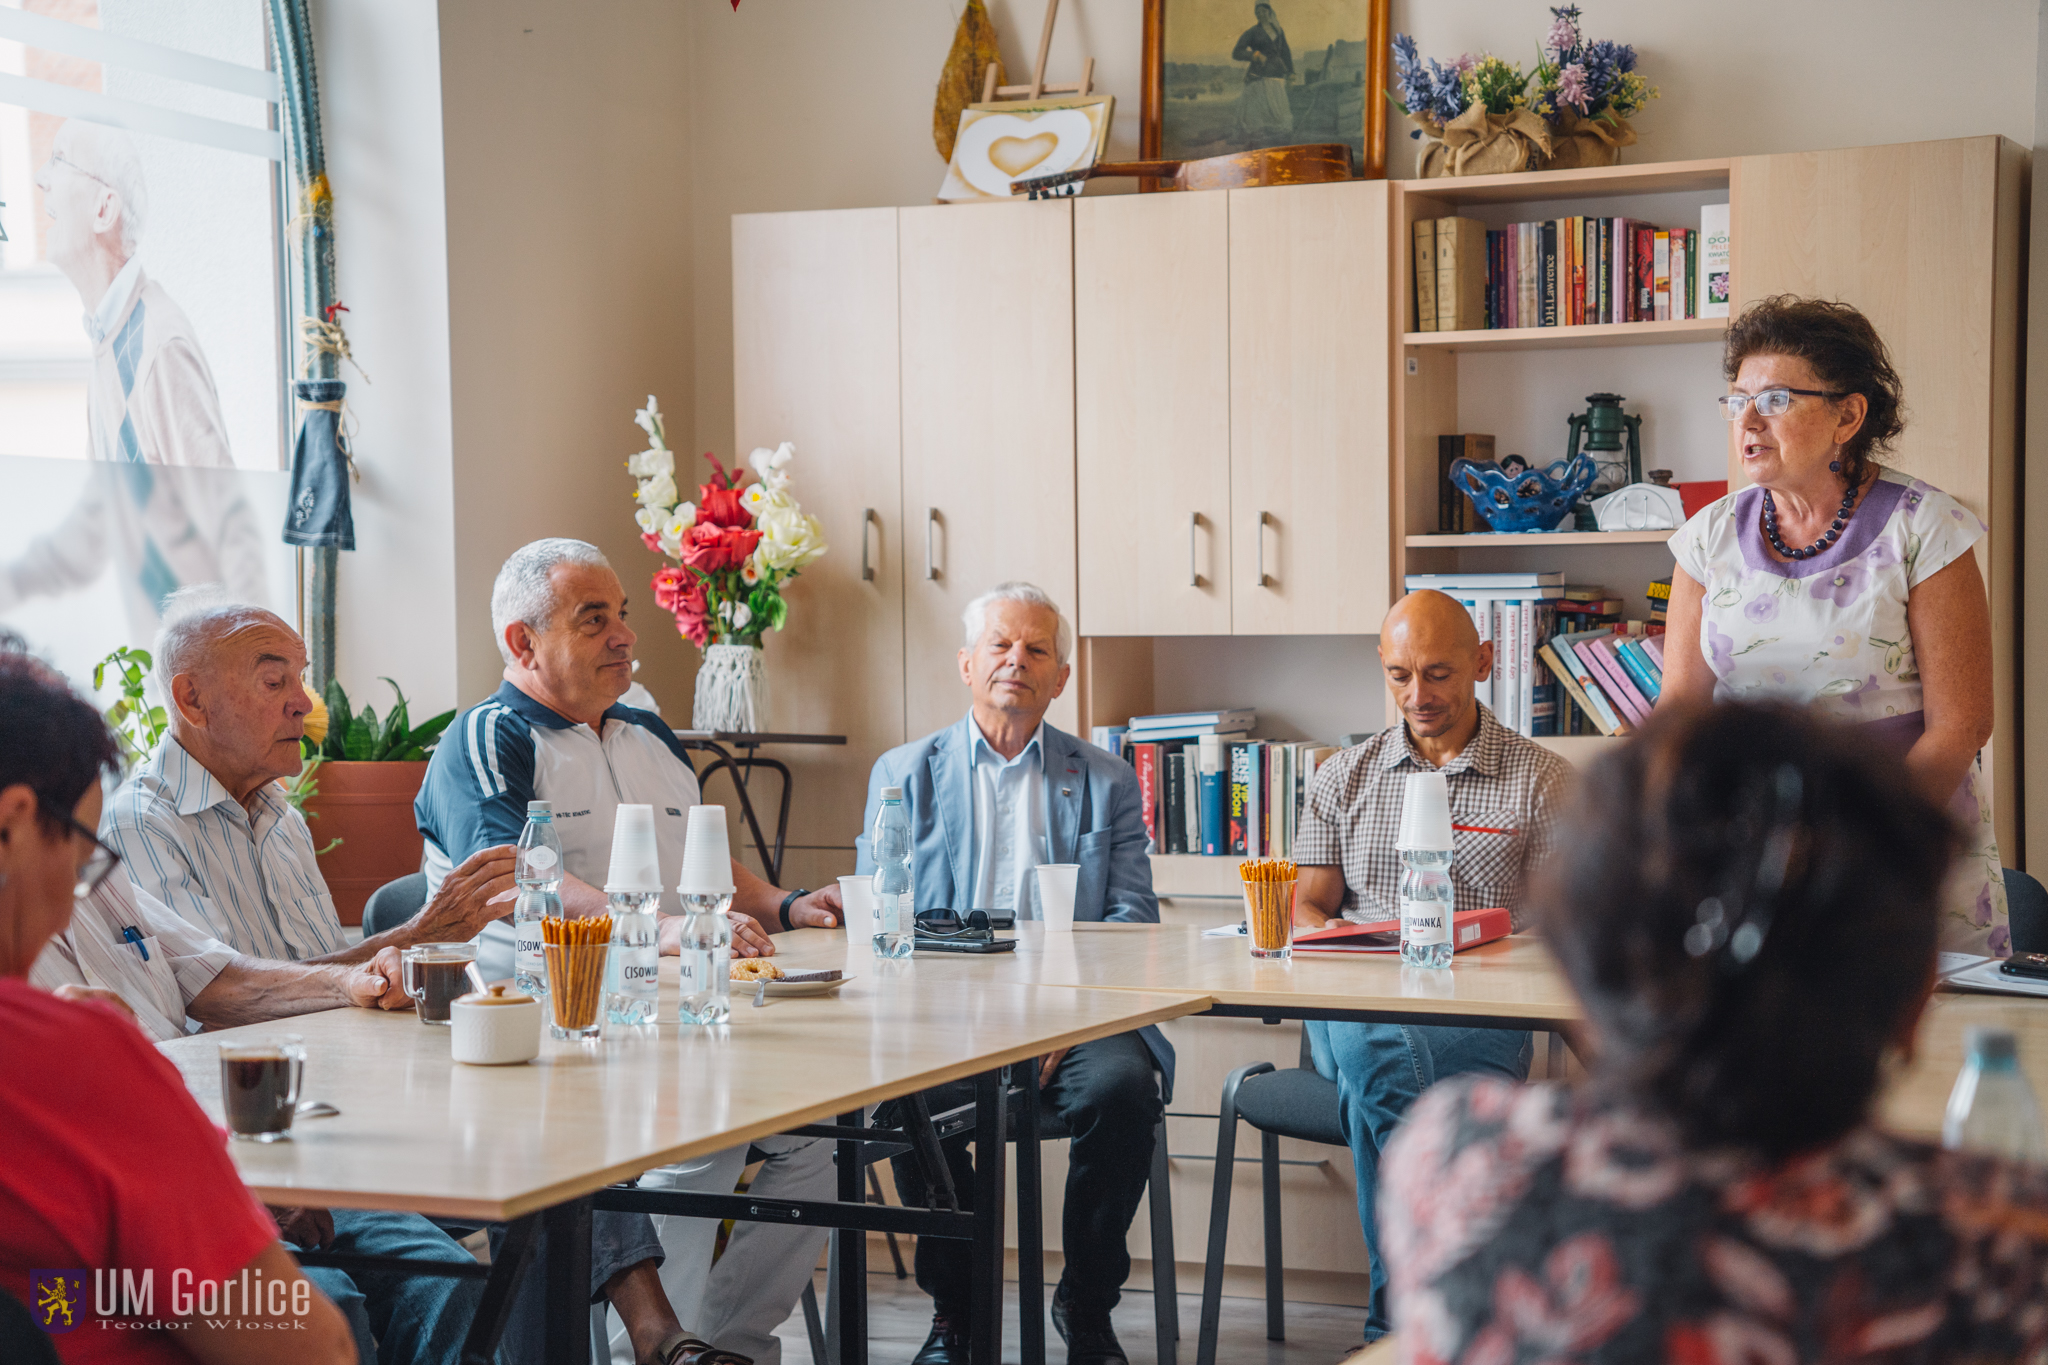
x=1089 y=1337
x=947 y=1344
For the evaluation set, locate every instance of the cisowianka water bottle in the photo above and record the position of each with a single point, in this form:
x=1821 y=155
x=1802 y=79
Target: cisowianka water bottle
x=632 y=968
x=1425 y=846
x=895 y=929
x=1992 y=1108
x=706 y=890
x=538 y=873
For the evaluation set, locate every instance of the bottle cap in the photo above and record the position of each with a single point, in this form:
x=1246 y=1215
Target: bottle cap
x=892 y=793
x=636 y=862
x=1426 y=814
x=534 y=808
x=707 y=856
x=1991 y=1046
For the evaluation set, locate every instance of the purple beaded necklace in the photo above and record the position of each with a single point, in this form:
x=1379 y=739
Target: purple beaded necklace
x=1828 y=537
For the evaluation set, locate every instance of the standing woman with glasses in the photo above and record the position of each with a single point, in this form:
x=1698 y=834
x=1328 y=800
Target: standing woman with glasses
x=1838 y=583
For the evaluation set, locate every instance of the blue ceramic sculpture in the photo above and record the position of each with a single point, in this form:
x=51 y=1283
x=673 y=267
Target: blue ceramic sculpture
x=1529 y=499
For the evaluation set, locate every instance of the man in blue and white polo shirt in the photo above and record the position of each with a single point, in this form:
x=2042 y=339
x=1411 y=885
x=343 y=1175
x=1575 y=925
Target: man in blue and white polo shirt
x=556 y=732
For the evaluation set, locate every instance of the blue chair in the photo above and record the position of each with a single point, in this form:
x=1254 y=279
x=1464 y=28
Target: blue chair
x=2028 y=902
x=393 y=903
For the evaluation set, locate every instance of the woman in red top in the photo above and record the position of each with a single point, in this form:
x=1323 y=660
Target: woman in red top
x=1747 y=910
x=124 y=1228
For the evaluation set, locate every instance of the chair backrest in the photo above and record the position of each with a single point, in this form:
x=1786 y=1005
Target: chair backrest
x=395 y=902
x=22 y=1339
x=2027 y=901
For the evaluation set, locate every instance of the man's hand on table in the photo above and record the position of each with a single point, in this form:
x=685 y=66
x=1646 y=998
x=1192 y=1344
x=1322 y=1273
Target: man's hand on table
x=822 y=909
x=473 y=895
x=378 y=984
x=748 y=938
x=312 y=1229
x=69 y=991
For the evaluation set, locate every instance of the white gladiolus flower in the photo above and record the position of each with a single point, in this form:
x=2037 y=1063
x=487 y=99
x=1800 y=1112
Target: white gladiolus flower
x=645 y=464
x=675 y=528
x=649 y=420
x=649 y=518
x=769 y=464
x=658 y=491
x=735 y=614
x=750 y=572
x=762 y=500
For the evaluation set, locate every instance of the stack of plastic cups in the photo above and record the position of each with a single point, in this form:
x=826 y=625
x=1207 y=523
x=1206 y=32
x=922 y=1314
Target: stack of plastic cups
x=706 y=890
x=633 y=894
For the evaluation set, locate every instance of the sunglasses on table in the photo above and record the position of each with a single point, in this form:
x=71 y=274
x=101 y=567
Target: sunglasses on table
x=1769 y=403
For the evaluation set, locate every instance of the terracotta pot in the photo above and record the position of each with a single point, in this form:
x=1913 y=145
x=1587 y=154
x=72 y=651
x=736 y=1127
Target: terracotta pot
x=368 y=806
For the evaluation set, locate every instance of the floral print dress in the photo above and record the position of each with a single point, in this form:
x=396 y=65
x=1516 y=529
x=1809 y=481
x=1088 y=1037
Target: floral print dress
x=1830 y=632
x=1525 y=1226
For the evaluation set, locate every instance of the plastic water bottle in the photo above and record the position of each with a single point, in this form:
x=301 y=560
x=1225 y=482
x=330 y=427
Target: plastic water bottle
x=706 y=967
x=632 y=969
x=1426 y=902
x=895 y=904
x=1992 y=1108
x=538 y=874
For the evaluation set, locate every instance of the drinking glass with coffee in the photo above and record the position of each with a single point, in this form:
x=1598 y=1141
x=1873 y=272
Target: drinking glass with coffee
x=434 y=974
x=259 y=1085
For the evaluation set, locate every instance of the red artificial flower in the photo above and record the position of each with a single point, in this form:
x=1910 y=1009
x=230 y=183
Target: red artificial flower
x=711 y=549
x=652 y=542
x=677 y=591
x=718 y=506
x=695 y=629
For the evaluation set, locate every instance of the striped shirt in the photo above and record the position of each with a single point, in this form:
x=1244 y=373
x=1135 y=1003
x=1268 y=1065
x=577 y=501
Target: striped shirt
x=253 y=884
x=172 y=962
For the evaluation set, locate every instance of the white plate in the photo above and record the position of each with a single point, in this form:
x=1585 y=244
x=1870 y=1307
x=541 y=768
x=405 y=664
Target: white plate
x=793 y=988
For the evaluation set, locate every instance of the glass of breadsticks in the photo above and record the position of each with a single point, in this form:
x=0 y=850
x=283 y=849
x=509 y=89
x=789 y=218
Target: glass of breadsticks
x=576 y=950
x=1268 y=906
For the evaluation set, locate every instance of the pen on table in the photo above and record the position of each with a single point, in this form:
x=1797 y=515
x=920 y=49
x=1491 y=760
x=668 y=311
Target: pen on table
x=130 y=934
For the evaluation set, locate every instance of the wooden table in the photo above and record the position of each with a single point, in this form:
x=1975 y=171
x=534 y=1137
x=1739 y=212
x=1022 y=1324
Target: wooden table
x=422 y=1133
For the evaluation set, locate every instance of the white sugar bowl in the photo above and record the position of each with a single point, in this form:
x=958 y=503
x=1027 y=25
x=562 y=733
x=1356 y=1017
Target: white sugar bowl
x=495 y=1028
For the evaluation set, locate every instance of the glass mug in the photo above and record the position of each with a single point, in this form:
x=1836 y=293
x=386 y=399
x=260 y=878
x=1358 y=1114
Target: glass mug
x=259 y=1085
x=434 y=974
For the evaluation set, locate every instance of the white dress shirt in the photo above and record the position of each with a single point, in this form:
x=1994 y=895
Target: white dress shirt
x=172 y=962
x=1010 y=826
x=252 y=883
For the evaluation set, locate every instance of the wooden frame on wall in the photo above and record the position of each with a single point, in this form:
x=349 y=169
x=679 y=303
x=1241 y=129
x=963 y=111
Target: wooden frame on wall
x=1371 y=159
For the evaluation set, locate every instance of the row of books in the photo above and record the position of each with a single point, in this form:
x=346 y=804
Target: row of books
x=1221 y=797
x=1567 y=272
x=1613 y=676
x=1229 y=722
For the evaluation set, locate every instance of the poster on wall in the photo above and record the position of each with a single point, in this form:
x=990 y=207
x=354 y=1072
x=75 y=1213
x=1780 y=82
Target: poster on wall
x=142 y=401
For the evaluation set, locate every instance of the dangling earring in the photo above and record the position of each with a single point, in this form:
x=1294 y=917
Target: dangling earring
x=1835 y=465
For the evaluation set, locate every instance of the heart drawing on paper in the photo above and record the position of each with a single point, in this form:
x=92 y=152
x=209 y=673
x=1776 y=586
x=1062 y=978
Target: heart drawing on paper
x=1015 y=155
x=1023 y=143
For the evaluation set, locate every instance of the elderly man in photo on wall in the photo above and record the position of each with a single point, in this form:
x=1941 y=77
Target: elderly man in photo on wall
x=203 y=827
x=556 y=731
x=1505 y=791
x=990 y=798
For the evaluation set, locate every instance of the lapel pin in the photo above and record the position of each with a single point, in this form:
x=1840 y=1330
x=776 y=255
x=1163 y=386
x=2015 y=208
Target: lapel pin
x=1066 y=791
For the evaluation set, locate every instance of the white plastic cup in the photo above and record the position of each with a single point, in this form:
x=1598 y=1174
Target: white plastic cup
x=707 y=855
x=857 y=895
x=636 y=861
x=1426 y=814
x=1057 y=883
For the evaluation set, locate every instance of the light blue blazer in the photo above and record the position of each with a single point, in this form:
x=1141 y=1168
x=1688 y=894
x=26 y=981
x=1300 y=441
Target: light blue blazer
x=1093 y=819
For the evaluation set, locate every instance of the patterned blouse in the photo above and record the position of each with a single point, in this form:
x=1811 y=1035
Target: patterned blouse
x=1521 y=1226
x=1830 y=632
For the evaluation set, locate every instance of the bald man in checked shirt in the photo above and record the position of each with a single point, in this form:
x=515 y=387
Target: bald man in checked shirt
x=1505 y=790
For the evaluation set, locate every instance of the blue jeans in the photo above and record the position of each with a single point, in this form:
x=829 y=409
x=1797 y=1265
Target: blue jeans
x=1380 y=1069
x=413 y=1318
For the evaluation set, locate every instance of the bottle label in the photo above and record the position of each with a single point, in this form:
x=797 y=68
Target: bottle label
x=540 y=857
x=527 y=946
x=640 y=974
x=1424 y=924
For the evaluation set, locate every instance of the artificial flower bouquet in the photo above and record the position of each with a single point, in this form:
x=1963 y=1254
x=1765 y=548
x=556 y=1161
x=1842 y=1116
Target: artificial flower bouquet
x=735 y=549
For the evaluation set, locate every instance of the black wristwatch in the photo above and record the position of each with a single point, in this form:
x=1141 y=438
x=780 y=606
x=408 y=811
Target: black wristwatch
x=790 y=900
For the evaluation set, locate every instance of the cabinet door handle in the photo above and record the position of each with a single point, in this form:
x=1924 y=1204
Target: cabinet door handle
x=931 y=515
x=867 y=569
x=1194 y=520
x=1259 y=531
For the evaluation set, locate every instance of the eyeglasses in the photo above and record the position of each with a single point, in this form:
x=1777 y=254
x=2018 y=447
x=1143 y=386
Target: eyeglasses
x=102 y=861
x=59 y=159
x=1769 y=403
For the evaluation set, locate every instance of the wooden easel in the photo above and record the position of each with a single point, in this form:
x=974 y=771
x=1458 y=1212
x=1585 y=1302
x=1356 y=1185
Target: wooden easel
x=990 y=91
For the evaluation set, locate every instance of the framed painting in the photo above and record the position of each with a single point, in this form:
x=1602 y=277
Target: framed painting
x=1224 y=76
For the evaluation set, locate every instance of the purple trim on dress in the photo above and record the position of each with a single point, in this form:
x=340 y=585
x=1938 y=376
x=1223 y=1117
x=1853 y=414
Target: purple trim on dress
x=1870 y=517
x=1898 y=733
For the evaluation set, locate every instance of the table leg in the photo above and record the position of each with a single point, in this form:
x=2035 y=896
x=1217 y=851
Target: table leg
x=1030 y=1219
x=566 y=1276
x=480 y=1347
x=850 y=1264
x=991 y=1146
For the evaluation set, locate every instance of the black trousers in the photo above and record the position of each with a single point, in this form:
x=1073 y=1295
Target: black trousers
x=1106 y=1095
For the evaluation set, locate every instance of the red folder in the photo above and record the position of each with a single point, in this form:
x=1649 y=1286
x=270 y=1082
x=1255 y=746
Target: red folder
x=1469 y=929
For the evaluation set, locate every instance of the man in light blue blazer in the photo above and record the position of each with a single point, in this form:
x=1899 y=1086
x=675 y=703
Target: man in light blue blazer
x=990 y=798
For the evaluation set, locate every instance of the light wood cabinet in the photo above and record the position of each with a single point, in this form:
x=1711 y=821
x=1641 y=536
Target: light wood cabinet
x=1310 y=338
x=987 y=340
x=1152 y=413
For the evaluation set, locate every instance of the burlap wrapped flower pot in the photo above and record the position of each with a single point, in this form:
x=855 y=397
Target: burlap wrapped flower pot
x=1479 y=143
x=1577 y=142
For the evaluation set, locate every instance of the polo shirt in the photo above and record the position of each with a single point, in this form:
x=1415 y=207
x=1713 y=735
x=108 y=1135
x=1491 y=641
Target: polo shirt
x=511 y=749
x=168 y=963
x=1505 y=792
x=250 y=880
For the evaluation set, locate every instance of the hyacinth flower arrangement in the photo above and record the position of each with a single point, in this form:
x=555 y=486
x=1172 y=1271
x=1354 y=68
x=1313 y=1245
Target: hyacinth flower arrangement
x=1587 y=92
x=1475 y=112
x=735 y=548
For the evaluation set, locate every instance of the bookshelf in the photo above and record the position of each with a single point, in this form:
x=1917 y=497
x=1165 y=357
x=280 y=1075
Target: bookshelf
x=1682 y=332
x=1494 y=540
